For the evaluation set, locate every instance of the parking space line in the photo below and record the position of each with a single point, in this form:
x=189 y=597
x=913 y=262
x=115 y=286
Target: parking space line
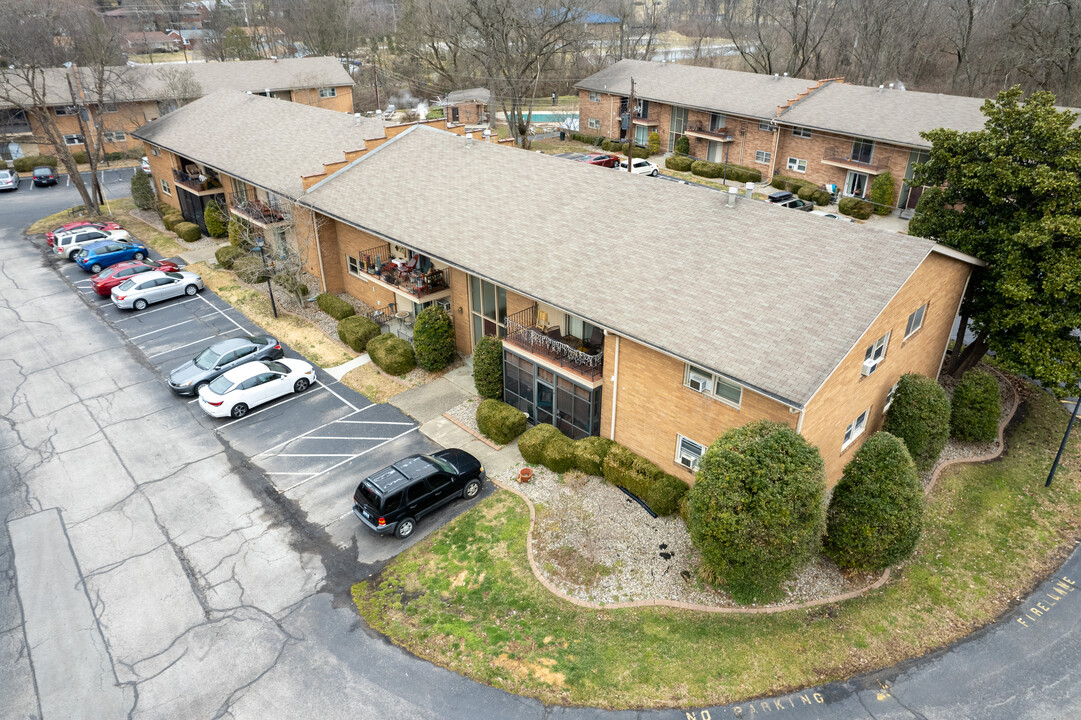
x=342 y=517
x=313 y=455
x=297 y=437
x=348 y=459
x=284 y=473
x=265 y=407
x=194 y=342
x=340 y=397
x=167 y=327
x=151 y=312
x=374 y=422
x=220 y=312
x=329 y=437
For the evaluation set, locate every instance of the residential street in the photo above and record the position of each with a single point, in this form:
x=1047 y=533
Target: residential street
x=158 y=564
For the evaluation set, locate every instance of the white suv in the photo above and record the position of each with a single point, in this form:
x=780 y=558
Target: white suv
x=69 y=244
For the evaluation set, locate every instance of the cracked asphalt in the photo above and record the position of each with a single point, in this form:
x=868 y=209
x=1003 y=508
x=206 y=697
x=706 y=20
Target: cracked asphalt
x=155 y=566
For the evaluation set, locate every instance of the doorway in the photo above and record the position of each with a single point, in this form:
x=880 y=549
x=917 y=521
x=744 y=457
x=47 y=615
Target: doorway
x=856 y=184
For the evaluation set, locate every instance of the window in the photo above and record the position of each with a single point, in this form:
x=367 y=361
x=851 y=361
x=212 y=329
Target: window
x=801 y=132
x=108 y=108
x=641 y=135
x=114 y=136
x=66 y=110
x=328 y=92
x=594 y=96
x=863 y=151
x=488 y=304
x=165 y=187
x=707 y=383
x=594 y=124
x=354 y=265
x=154 y=151
x=915 y=320
x=281 y=247
x=240 y=190
x=716 y=122
x=765 y=127
x=874 y=354
x=416 y=491
x=642 y=107
x=855 y=428
x=761 y=156
x=797 y=164
x=889 y=397
x=74 y=139
x=677 y=127
x=689 y=453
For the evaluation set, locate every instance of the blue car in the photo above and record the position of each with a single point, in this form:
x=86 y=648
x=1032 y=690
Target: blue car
x=101 y=254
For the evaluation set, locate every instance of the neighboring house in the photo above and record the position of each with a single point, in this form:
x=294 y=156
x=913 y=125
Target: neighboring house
x=151 y=41
x=142 y=93
x=468 y=107
x=189 y=39
x=826 y=131
x=152 y=17
x=748 y=312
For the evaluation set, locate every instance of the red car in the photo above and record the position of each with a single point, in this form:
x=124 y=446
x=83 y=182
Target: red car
x=609 y=161
x=51 y=235
x=104 y=282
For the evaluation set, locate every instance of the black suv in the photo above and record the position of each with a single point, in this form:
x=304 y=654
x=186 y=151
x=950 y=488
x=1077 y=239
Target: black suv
x=393 y=499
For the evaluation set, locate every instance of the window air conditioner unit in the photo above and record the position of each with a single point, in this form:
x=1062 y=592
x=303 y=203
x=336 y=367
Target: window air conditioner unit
x=869 y=366
x=699 y=383
x=444 y=303
x=688 y=461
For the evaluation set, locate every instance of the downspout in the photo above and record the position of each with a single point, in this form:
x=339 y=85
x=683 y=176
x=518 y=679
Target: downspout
x=615 y=390
x=776 y=144
x=318 y=251
x=957 y=310
x=799 y=423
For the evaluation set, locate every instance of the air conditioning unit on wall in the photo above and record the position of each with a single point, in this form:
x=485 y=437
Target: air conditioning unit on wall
x=444 y=303
x=869 y=366
x=699 y=383
x=688 y=461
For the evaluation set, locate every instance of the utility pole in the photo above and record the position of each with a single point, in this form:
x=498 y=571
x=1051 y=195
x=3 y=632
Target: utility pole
x=375 y=84
x=88 y=143
x=632 y=111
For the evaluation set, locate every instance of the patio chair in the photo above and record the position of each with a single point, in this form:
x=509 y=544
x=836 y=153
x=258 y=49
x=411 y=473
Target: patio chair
x=542 y=319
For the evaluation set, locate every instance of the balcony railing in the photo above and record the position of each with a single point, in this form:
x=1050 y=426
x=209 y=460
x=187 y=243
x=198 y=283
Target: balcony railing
x=550 y=344
x=259 y=211
x=840 y=156
x=413 y=277
x=702 y=131
x=198 y=183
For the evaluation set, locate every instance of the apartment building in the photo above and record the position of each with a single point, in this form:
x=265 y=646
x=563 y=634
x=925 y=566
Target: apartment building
x=657 y=339
x=142 y=93
x=825 y=131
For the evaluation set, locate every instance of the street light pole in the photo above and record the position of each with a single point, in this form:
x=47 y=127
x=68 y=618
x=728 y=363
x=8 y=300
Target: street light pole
x=1065 y=438
x=261 y=244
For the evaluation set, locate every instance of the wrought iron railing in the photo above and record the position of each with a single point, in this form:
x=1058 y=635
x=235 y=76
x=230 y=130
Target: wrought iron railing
x=259 y=211
x=523 y=332
x=198 y=183
x=839 y=155
x=408 y=277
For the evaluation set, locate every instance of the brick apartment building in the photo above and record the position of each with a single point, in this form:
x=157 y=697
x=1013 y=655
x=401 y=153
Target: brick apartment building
x=658 y=340
x=143 y=93
x=828 y=132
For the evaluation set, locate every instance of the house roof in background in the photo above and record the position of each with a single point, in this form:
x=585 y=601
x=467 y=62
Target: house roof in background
x=267 y=142
x=480 y=95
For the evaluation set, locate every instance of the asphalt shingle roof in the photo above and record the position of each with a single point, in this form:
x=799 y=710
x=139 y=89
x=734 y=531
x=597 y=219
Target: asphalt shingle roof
x=481 y=95
x=267 y=142
x=769 y=297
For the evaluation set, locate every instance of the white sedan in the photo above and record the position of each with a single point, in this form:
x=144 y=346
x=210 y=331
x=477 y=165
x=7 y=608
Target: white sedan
x=641 y=167
x=254 y=383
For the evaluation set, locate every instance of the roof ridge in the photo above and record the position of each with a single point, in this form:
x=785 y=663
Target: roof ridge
x=800 y=97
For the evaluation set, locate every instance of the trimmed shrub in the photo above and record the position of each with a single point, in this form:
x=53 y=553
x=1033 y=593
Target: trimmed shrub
x=27 y=164
x=171 y=219
x=433 y=338
x=355 y=331
x=618 y=148
x=499 y=421
x=291 y=284
x=739 y=173
x=135 y=153
x=707 y=169
x=653 y=143
x=683 y=145
x=187 y=231
x=217 y=222
x=656 y=488
x=791 y=184
x=250 y=269
x=976 y=407
x=559 y=454
x=587 y=139
x=855 y=207
x=488 y=367
x=531 y=443
x=876 y=513
x=920 y=416
x=590 y=453
x=778 y=182
x=80 y=158
x=882 y=194
x=226 y=255
x=821 y=197
x=682 y=163
x=756 y=510
x=806 y=193
x=164 y=209
x=114 y=156
x=240 y=235
x=392 y=354
x=334 y=306
x=142 y=192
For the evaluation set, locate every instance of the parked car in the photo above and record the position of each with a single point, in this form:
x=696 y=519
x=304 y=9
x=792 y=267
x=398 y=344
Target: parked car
x=44 y=175
x=219 y=358
x=69 y=244
x=68 y=227
x=97 y=256
x=393 y=499
x=797 y=204
x=9 y=180
x=254 y=383
x=104 y=282
x=151 y=287
x=145 y=165
x=601 y=159
x=641 y=167
x=835 y=216
x=780 y=196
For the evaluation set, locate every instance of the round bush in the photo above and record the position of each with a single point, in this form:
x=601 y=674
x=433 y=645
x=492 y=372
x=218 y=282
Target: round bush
x=499 y=421
x=356 y=331
x=142 y=192
x=976 y=407
x=653 y=143
x=680 y=163
x=433 y=338
x=531 y=443
x=290 y=283
x=590 y=453
x=216 y=220
x=559 y=454
x=80 y=158
x=738 y=173
x=171 y=218
x=226 y=255
x=806 y=193
x=488 y=367
x=854 y=207
x=392 y=354
x=821 y=197
x=683 y=145
x=876 y=513
x=778 y=182
x=187 y=231
x=250 y=269
x=920 y=416
x=756 y=510
x=334 y=306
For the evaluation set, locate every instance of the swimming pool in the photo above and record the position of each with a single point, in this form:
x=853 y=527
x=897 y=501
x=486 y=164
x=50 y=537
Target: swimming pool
x=554 y=117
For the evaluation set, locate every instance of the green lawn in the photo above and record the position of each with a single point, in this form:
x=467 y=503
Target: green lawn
x=465 y=597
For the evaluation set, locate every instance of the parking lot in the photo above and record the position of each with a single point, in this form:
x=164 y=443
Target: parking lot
x=313 y=447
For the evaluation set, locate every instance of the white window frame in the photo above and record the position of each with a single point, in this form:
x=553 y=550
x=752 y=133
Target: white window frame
x=763 y=157
x=353 y=265
x=797 y=164
x=801 y=132
x=889 y=396
x=108 y=108
x=765 y=127
x=877 y=350
x=78 y=139
x=855 y=429
x=165 y=187
x=594 y=96
x=916 y=318
x=594 y=123
x=328 y=92
x=681 y=452
x=114 y=136
x=154 y=151
x=709 y=383
x=63 y=110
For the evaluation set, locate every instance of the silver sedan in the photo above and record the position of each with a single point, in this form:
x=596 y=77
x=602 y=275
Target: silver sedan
x=151 y=287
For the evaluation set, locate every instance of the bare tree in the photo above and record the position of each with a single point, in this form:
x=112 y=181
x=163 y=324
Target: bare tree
x=774 y=36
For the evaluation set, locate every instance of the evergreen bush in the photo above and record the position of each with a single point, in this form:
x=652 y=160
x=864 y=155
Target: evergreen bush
x=499 y=421
x=653 y=143
x=433 y=338
x=225 y=256
x=488 y=367
x=27 y=164
x=187 y=231
x=334 y=306
x=920 y=416
x=590 y=453
x=216 y=220
x=250 y=269
x=142 y=192
x=683 y=145
x=531 y=443
x=392 y=354
x=171 y=219
x=682 y=163
x=882 y=194
x=855 y=207
x=821 y=197
x=355 y=331
x=656 y=488
x=976 y=407
x=240 y=234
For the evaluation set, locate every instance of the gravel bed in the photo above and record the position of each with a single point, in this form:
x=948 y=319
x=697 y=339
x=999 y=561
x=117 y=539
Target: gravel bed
x=596 y=544
x=466 y=413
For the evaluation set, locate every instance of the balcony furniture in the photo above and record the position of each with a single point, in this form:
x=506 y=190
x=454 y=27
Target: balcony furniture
x=542 y=319
x=596 y=339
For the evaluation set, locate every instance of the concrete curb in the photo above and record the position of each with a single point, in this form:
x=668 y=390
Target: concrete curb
x=653 y=602
x=475 y=434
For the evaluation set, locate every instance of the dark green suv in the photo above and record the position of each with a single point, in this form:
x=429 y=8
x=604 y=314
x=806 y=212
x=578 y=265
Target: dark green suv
x=393 y=499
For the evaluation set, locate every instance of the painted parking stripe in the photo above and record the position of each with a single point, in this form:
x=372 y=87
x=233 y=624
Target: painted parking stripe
x=349 y=459
x=331 y=437
x=305 y=434
x=340 y=397
x=151 y=312
x=193 y=342
x=374 y=422
x=218 y=310
x=266 y=407
x=281 y=455
x=161 y=329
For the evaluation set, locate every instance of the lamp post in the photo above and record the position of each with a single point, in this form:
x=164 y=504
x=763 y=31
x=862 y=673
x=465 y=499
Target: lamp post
x=260 y=243
x=1065 y=438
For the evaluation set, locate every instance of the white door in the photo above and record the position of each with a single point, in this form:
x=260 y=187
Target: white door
x=856 y=184
x=715 y=153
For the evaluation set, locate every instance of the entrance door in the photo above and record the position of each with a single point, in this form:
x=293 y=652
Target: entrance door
x=715 y=153
x=856 y=184
x=545 y=396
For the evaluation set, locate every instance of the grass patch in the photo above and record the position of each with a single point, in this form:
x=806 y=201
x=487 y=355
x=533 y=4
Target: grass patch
x=373 y=383
x=298 y=333
x=466 y=599
x=164 y=243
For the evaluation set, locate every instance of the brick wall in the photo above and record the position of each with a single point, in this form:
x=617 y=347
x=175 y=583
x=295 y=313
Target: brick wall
x=606 y=110
x=161 y=167
x=939 y=281
x=341 y=102
x=813 y=149
x=353 y=242
x=459 y=300
x=469 y=113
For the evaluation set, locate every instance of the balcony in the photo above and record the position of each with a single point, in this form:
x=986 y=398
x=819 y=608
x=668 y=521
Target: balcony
x=198 y=184
x=258 y=212
x=838 y=157
x=413 y=277
x=700 y=131
x=552 y=347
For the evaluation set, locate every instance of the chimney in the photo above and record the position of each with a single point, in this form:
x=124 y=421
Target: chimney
x=732 y=193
